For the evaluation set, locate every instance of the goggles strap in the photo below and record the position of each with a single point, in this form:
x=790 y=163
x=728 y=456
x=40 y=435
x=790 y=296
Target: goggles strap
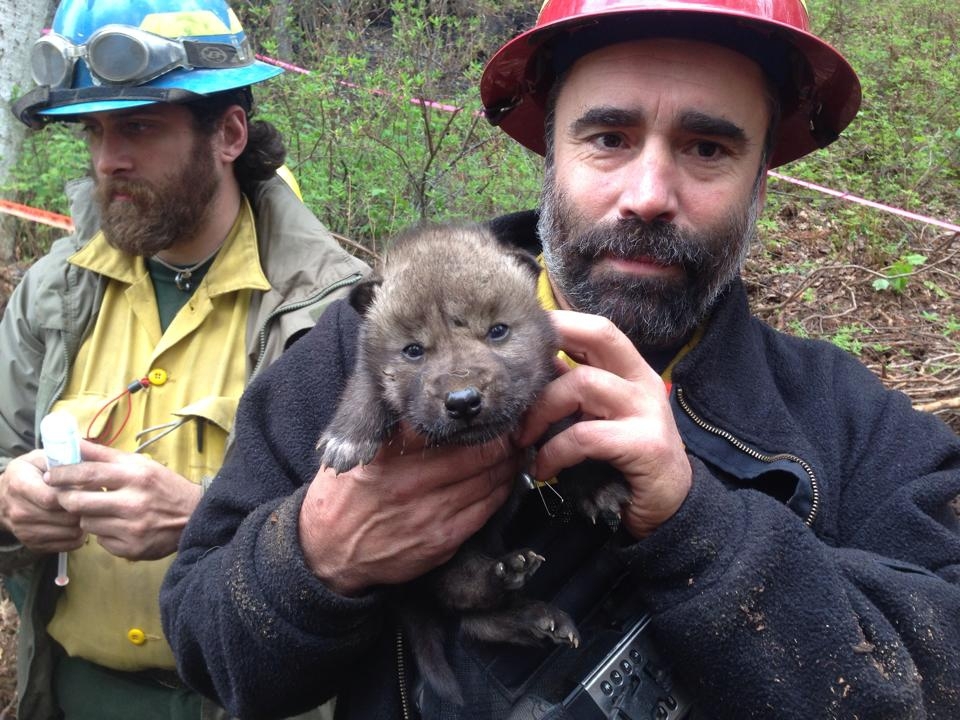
x=217 y=55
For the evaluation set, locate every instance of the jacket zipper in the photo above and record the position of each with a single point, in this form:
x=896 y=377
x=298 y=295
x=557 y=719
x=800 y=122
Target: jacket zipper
x=756 y=454
x=62 y=384
x=402 y=677
x=284 y=309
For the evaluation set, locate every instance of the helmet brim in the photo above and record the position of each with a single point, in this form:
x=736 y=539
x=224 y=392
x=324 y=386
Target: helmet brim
x=516 y=80
x=198 y=81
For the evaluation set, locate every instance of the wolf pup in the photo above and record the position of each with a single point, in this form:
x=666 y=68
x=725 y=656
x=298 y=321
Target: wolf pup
x=454 y=342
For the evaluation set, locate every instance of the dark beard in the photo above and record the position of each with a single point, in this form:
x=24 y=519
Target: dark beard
x=652 y=311
x=157 y=217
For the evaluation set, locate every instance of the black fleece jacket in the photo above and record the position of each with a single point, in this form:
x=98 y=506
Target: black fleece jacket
x=812 y=572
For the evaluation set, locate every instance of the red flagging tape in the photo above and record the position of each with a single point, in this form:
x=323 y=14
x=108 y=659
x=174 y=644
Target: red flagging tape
x=41 y=216
x=843 y=195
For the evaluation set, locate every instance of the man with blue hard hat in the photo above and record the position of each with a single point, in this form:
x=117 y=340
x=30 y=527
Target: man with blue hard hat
x=191 y=268
x=787 y=549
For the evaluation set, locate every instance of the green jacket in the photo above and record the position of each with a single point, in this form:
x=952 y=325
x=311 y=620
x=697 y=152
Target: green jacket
x=52 y=311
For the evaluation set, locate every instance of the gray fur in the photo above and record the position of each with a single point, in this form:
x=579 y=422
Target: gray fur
x=446 y=289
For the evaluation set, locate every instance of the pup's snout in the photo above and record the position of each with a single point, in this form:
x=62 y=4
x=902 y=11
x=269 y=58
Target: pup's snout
x=464 y=404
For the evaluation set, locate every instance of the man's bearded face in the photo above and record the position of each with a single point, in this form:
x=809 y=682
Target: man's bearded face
x=141 y=217
x=654 y=310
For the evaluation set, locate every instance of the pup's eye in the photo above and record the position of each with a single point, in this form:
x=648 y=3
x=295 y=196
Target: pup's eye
x=498 y=331
x=413 y=351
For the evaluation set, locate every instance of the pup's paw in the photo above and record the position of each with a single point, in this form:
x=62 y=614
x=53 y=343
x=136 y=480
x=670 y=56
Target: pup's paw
x=528 y=622
x=605 y=503
x=546 y=622
x=340 y=454
x=515 y=568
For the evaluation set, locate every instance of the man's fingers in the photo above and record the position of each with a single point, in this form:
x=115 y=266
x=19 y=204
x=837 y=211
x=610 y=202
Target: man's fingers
x=404 y=513
x=100 y=467
x=622 y=443
x=612 y=381
x=94 y=502
x=50 y=533
x=400 y=467
x=95 y=452
x=595 y=341
x=588 y=393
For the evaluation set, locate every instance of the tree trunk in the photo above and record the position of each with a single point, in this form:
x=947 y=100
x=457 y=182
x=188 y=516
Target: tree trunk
x=280 y=25
x=22 y=24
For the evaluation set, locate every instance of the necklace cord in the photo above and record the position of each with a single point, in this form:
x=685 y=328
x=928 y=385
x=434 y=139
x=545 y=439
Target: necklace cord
x=183 y=274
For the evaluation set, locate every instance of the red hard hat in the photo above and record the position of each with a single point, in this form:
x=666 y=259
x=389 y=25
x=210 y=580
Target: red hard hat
x=818 y=90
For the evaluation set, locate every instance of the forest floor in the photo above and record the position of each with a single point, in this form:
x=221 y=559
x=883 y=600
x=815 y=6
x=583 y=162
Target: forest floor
x=910 y=339
x=801 y=285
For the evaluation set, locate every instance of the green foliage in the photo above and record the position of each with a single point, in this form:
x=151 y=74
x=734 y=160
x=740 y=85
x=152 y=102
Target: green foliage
x=903 y=148
x=48 y=159
x=387 y=139
x=948 y=326
x=796 y=328
x=850 y=338
x=370 y=160
x=898 y=274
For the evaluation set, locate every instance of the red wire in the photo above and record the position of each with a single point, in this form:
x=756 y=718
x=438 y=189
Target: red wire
x=109 y=423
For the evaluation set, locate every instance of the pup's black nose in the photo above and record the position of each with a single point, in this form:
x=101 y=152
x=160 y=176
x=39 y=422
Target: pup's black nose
x=464 y=404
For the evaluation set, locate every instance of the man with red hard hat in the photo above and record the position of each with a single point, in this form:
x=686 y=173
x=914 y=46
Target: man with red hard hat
x=786 y=548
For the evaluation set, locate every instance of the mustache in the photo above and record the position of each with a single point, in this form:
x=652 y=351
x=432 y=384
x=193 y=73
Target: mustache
x=632 y=238
x=139 y=191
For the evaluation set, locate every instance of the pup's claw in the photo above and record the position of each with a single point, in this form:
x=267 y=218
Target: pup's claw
x=514 y=569
x=556 y=626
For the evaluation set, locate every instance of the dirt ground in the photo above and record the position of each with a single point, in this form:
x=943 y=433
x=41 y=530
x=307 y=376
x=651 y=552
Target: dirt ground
x=911 y=340
x=909 y=353
x=8 y=658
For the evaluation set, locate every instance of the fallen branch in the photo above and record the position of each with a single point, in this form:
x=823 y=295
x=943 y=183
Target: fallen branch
x=937 y=405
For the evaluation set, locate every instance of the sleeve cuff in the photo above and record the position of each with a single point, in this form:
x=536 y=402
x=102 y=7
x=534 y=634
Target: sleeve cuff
x=691 y=549
x=291 y=587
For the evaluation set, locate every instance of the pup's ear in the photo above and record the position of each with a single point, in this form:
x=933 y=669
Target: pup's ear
x=363 y=293
x=526 y=261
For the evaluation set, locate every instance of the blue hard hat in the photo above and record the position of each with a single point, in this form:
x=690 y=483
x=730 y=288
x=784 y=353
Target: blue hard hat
x=113 y=54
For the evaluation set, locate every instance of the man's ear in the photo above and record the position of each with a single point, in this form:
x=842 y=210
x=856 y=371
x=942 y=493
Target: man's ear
x=363 y=293
x=232 y=133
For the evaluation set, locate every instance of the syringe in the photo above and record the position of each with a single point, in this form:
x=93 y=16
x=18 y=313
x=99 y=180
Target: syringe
x=61 y=444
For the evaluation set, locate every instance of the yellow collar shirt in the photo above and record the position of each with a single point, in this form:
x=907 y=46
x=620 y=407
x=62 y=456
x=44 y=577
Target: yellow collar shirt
x=196 y=371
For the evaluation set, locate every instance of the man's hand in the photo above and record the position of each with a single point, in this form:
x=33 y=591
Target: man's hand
x=405 y=513
x=626 y=420
x=31 y=510
x=135 y=506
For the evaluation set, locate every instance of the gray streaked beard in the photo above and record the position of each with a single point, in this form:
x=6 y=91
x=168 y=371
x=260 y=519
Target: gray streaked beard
x=651 y=311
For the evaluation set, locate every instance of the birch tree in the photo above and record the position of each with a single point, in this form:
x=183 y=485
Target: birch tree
x=21 y=25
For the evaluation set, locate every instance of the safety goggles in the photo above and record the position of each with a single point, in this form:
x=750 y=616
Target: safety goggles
x=124 y=55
